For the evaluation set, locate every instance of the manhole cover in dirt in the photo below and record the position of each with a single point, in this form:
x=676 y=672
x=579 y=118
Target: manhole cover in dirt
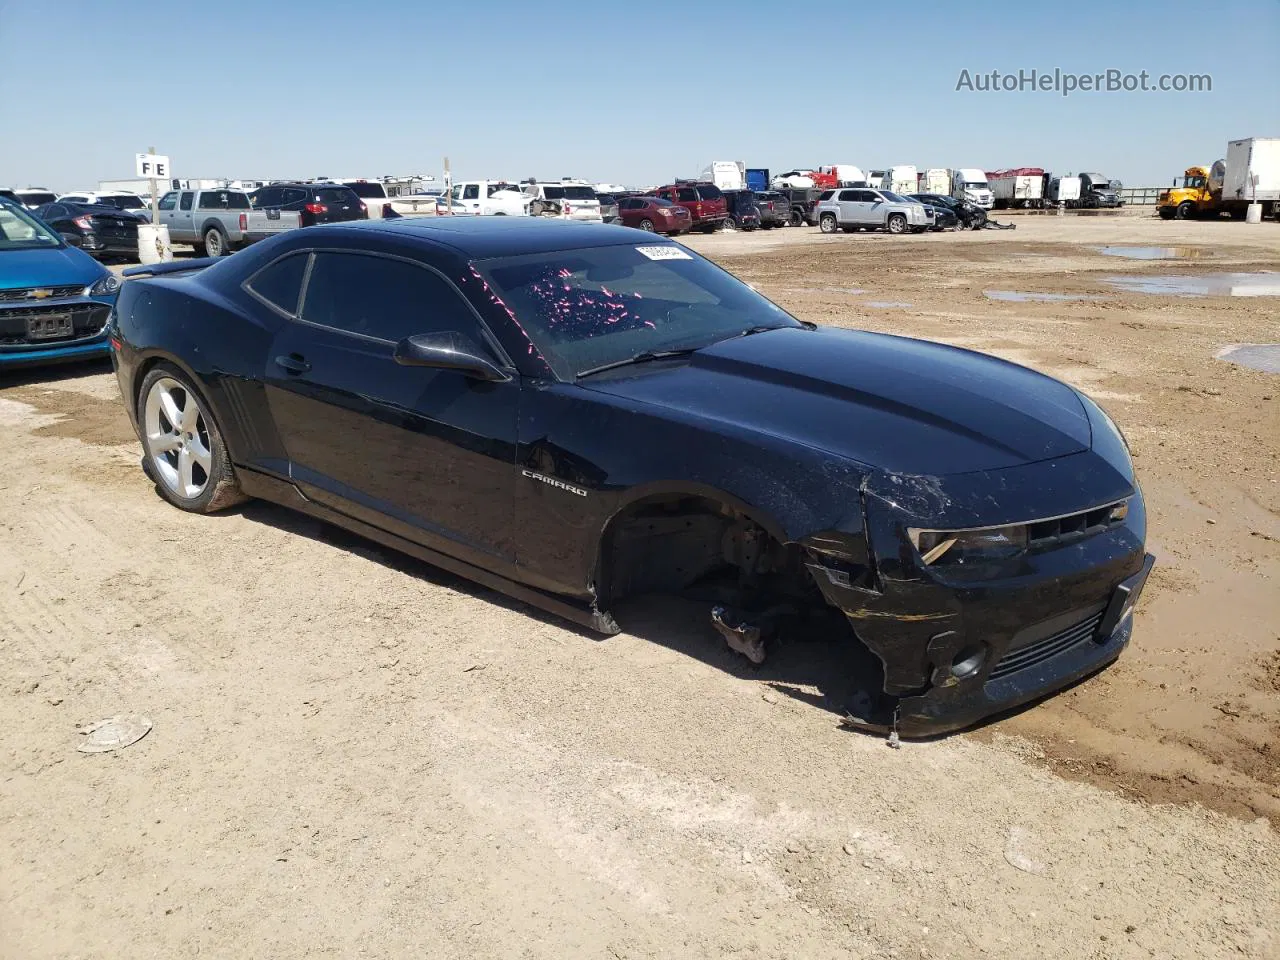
x=114 y=733
x=1255 y=356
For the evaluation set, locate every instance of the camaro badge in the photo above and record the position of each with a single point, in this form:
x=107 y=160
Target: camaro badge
x=553 y=482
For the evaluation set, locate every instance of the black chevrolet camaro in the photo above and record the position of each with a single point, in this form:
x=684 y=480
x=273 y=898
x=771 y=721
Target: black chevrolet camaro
x=575 y=413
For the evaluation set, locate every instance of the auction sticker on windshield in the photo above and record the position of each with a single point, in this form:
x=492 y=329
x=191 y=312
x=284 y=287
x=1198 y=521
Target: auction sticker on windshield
x=664 y=251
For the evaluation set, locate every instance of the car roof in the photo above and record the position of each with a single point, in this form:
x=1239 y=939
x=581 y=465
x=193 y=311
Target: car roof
x=482 y=237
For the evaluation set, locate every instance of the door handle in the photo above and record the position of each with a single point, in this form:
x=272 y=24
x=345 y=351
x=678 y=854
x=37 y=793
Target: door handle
x=293 y=363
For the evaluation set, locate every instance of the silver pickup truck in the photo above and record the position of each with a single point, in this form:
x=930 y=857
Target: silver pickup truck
x=217 y=222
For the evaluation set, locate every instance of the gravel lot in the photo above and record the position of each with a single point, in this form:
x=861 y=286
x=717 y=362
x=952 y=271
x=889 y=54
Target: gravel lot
x=356 y=754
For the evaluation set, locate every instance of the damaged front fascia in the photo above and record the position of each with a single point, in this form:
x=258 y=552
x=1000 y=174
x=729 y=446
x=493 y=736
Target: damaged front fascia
x=901 y=618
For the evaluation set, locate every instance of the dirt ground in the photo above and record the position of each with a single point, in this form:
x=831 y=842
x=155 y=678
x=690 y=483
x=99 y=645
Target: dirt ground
x=355 y=754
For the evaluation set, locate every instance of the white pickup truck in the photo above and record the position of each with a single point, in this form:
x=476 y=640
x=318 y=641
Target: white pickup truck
x=217 y=222
x=491 y=198
x=376 y=198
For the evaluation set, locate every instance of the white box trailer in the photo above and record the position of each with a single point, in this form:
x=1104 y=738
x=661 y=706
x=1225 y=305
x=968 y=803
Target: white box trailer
x=726 y=174
x=934 y=180
x=1017 y=187
x=900 y=179
x=1253 y=170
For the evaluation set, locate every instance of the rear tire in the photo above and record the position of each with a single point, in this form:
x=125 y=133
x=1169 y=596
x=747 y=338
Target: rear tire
x=646 y=225
x=827 y=223
x=796 y=219
x=183 y=450
x=215 y=243
x=1186 y=210
x=896 y=223
x=729 y=224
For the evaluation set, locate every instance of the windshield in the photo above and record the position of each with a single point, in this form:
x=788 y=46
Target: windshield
x=975 y=185
x=21 y=231
x=585 y=308
x=893 y=197
x=1193 y=182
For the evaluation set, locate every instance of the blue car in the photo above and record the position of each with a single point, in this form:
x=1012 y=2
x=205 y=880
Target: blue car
x=54 y=298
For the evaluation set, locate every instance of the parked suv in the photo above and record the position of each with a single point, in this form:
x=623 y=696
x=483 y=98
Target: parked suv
x=573 y=201
x=855 y=208
x=313 y=202
x=744 y=214
x=704 y=201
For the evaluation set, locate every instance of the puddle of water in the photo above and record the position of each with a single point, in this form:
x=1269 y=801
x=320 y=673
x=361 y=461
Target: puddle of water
x=888 y=305
x=1203 y=285
x=1020 y=296
x=1255 y=356
x=1155 y=253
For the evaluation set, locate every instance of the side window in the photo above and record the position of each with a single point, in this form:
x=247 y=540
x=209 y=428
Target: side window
x=866 y=196
x=471 y=191
x=687 y=194
x=267 y=197
x=280 y=283
x=293 y=197
x=54 y=210
x=185 y=202
x=848 y=195
x=411 y=299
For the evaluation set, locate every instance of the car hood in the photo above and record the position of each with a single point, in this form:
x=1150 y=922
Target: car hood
x=52 y=267
x=897 y=404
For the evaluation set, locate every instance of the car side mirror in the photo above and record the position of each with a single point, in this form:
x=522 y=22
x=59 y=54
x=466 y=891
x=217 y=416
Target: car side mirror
x=448 y=350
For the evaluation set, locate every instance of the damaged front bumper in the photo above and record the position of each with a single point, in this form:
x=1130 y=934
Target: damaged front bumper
x=960 y=642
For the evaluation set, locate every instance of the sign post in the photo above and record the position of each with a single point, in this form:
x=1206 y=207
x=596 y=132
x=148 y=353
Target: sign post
x=448 y=187
x=153 y=237
x=152 y=166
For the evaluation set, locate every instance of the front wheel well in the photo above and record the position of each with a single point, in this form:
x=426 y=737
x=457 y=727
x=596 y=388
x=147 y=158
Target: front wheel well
x=668 y=542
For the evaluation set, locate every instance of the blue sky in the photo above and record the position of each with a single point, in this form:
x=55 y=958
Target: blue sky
x=620 y=92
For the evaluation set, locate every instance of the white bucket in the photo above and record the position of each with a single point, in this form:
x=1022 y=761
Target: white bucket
x=153 y=244
x=1253 y=214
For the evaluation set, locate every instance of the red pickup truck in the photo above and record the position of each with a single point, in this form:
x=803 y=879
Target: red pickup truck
x=704 y=201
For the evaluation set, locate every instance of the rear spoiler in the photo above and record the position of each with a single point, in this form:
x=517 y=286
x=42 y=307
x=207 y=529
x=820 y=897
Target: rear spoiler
x=174 y=266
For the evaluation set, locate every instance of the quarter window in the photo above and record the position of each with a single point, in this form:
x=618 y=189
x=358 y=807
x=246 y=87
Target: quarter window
x=280 y=283
x=407 y=299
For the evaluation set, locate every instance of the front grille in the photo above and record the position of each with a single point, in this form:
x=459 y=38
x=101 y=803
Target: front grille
x=19 y=294
x=87 y=320
x=1046 y=649
x=1077 y=526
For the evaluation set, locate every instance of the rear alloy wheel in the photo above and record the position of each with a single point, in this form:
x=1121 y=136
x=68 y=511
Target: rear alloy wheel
x=215 y=244
x=729 y=224
x=646 y=225
x=183 y=450
x=897 y=223
x=827 y=223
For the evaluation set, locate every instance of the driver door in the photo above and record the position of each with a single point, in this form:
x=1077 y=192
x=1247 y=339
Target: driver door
x=428 y=454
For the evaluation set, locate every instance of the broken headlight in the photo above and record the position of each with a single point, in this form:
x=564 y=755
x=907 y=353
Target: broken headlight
x=969 y=546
